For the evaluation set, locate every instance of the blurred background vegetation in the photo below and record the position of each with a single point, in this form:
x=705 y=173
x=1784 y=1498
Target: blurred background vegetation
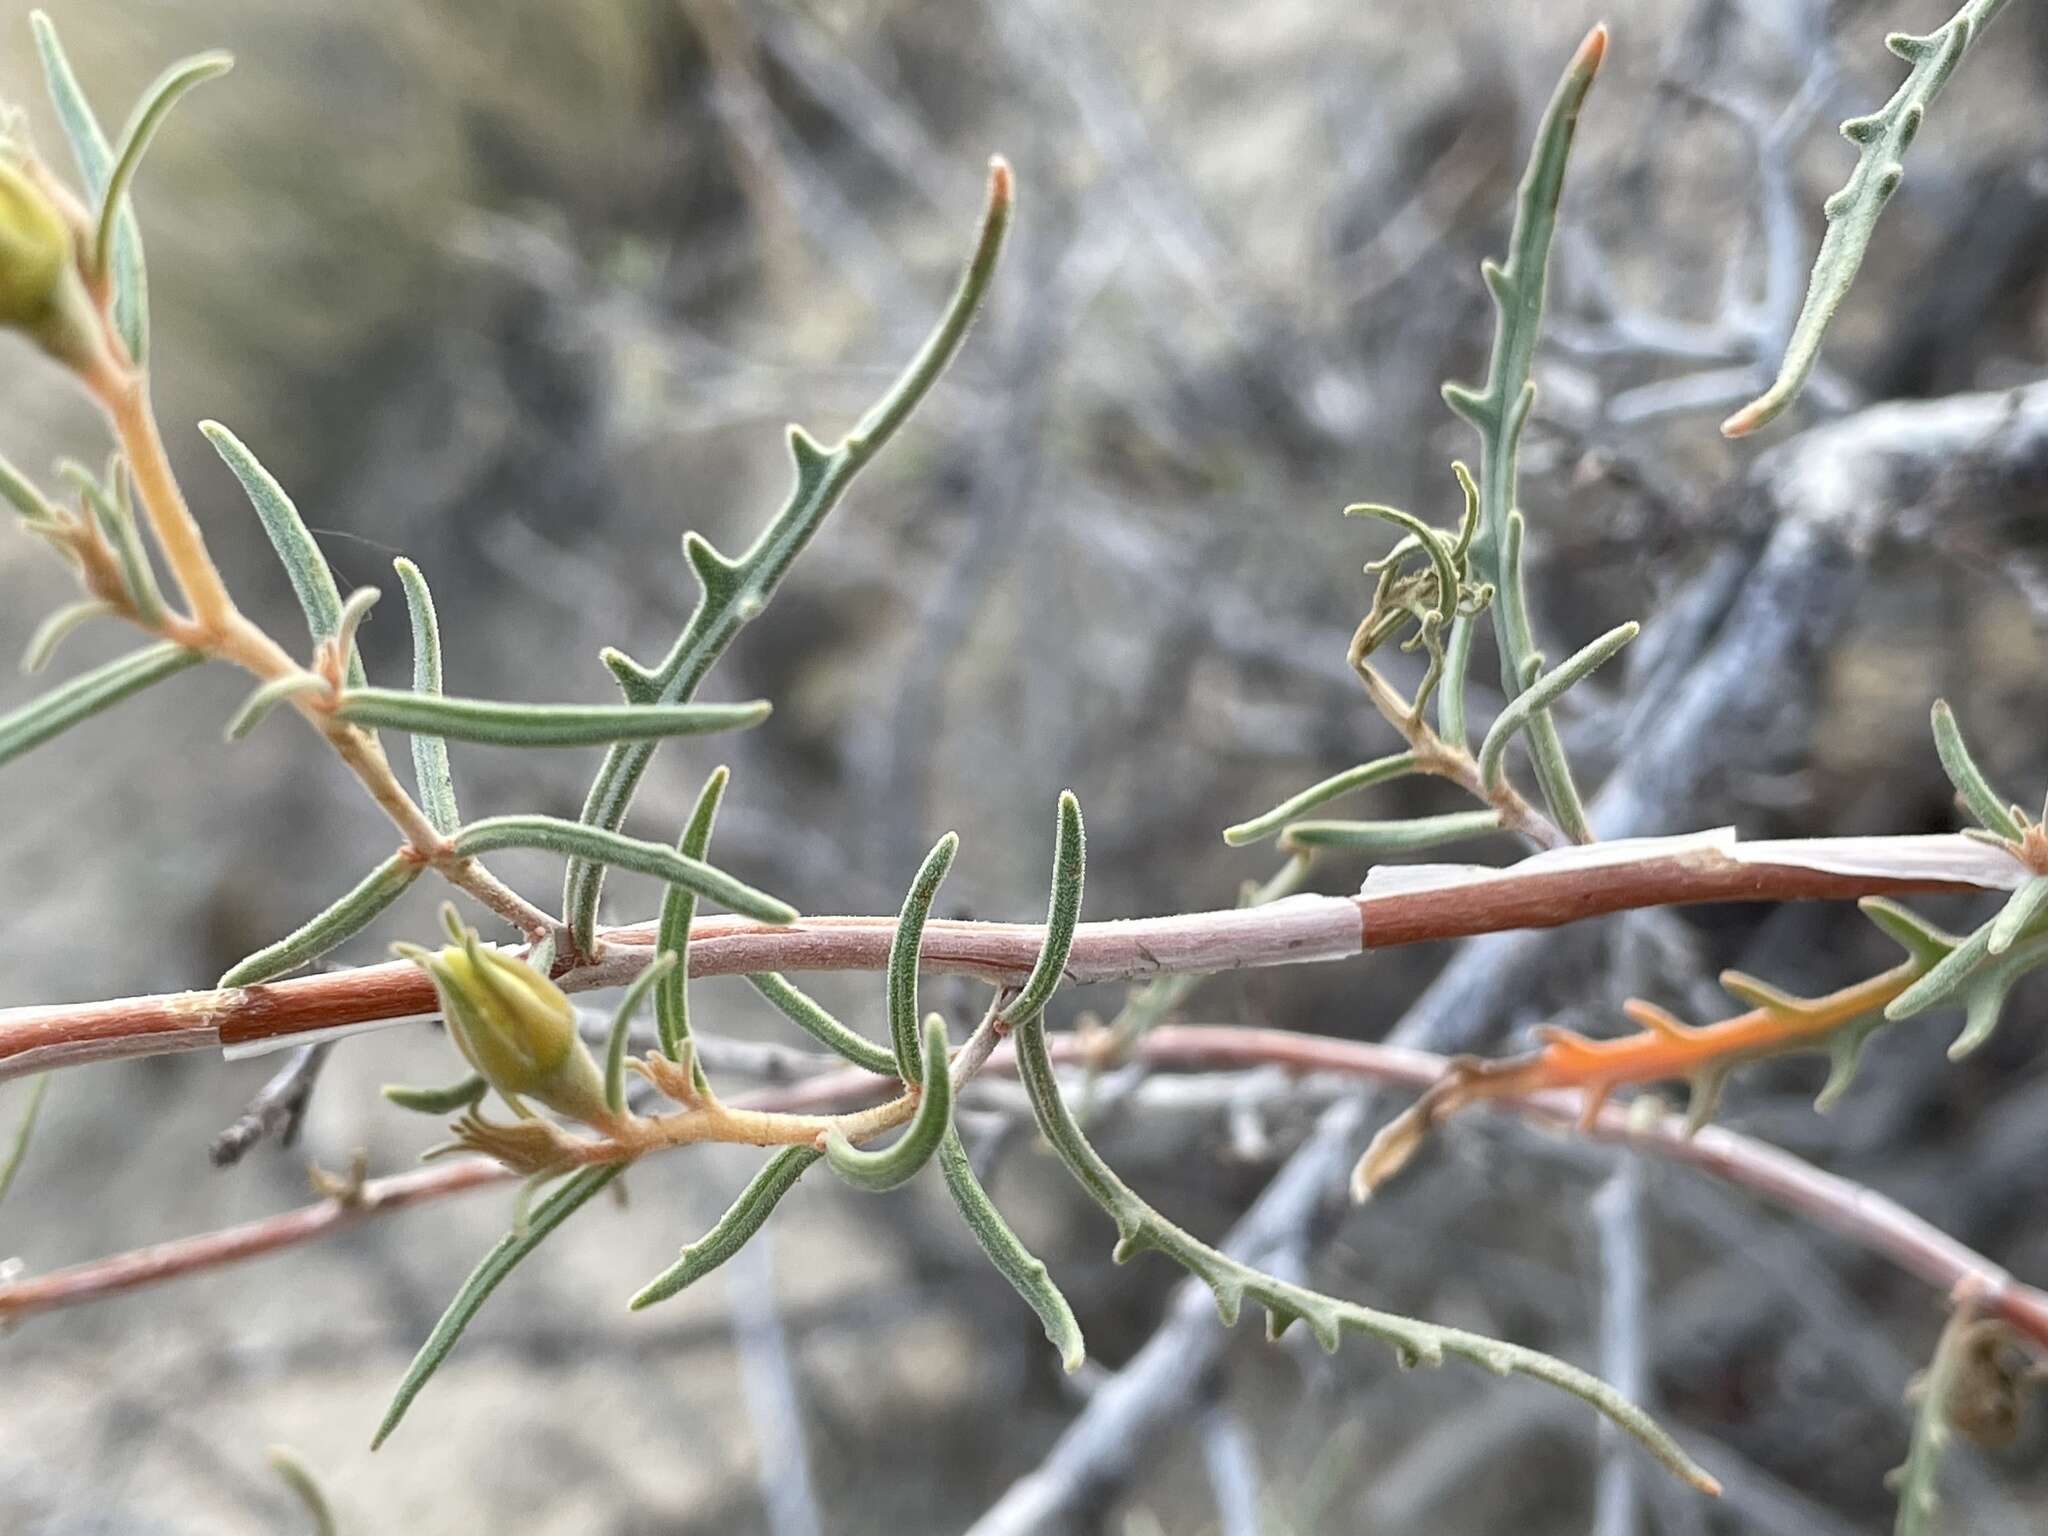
x=524 y=289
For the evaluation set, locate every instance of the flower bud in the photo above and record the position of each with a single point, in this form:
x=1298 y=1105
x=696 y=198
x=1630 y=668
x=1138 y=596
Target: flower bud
x=516 y=1027
x=41 y=292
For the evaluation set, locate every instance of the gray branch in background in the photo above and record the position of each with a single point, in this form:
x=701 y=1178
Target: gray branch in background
x=1833 y=494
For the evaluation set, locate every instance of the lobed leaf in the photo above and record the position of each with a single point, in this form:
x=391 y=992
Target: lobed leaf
x=734 y=592
x=1017 y=1264
x=1852 y=212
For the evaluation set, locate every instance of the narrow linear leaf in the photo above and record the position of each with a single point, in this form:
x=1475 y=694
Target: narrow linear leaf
x=1386 y=839
x=266 y=697
x=1062 y=917
x=903 y=1159
x=1140 y=1227
x=148 y=116
x=24 y=1131
x=95 y=160
x=51 y=633
x=1942 y=982
x=1984 y=802
x=17 y=490
x=311 y=577
x=339 y=923
x=734 y=592
x=297 y=1476
x=430 y=768
x=622 y=1029
x=678 y=913
x=485 y=1278
x=2018 y=914
x=450 y=1100
x=1919 y=1491
x=1017 y=1264
x=903 y=956
x=1541 y=694
x=741 y=1221
x=89 y=693
x=503 y=724
x=808 y=1015
x=116 y=519
x=1881 y=139
x=578 y=840
x=1259 y=828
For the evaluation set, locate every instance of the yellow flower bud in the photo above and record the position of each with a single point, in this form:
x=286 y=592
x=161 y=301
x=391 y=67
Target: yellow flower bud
x=36 y=249
x=516 y=1027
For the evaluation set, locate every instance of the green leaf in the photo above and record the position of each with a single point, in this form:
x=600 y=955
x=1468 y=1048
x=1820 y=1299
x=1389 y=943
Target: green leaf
x=2019 y=915
x=1969 y=781
x=1387 y=839
x=87 y=694
x=1918 y=1491
x=1062 y=917
x=311 y=577
x=903 y=1159
x=297 y=1476
x=1498 y=413
x=1140 y=1227
x=1017 y=1264
x=429 y=752
x=1944 y=980
x=580 y=841
x=499 y=724
x=741 y=1221
x=1522 y=711
x=485 y=1278
x=1852 y=212
x=116 y=519
x=809 y=1016
x=678 y=912
x=17 y=489
x=736 y=591
x=52 y=631
x=267 y=696
x=622 y=1029
x=903 y=954
x=450 y=1100
x=95 y=159
x=1377 y=772
x=337 y=924
x=24 y=1130
x=143 y=123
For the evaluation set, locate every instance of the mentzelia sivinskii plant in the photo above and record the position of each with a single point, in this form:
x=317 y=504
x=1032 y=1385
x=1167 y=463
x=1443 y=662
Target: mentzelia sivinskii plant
x=72 y=279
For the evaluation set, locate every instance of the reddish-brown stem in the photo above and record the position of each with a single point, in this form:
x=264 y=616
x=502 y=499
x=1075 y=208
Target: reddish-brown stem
x=1540 y=895
x=1848 y=1209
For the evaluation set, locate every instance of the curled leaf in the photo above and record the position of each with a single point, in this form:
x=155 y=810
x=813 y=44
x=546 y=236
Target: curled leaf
x=903 y=1159
x=1063 y=916
x=903 y=956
